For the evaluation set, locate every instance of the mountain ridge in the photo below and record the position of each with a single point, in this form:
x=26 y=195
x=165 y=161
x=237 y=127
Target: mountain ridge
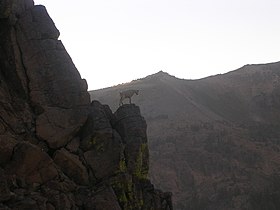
x=165 y=74
x=212 y=138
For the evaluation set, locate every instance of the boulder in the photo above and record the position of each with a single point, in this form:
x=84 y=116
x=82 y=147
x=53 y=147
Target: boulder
x=71 y=166
x=103 y=145
x=31 y=164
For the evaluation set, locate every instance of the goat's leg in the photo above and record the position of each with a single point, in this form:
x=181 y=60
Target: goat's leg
x=130 y=100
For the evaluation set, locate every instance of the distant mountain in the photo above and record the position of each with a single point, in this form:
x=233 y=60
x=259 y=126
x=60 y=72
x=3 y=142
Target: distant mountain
x=214 y=142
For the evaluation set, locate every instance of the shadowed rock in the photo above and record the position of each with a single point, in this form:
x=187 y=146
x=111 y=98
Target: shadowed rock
x=71 y=166
x=132 y=128
x=58 y=151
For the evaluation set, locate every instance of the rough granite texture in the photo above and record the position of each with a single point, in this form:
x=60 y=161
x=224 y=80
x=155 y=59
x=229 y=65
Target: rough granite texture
x=58 y=150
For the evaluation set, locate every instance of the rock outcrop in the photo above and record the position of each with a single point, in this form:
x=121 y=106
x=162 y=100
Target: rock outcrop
x=58 y=150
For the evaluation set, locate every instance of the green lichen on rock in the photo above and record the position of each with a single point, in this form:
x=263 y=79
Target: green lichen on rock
x=93 y=140
x=97 y=143
x=121 y=190
x=141 y=170
x=122 y=165
x=126 y=192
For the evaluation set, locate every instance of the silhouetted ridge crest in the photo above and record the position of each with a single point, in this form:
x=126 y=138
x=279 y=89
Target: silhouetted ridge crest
x=161 y=75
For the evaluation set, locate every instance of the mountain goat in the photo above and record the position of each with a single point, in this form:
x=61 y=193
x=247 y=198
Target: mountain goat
x=127 y=94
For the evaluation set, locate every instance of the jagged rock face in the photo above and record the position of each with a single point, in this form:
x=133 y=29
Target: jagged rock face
x=132 y=128
x=214 y=142
x=58 y=150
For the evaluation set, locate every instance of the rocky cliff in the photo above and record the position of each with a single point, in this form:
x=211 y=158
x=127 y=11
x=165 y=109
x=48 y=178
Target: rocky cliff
x=213 y=142
x=58 y=150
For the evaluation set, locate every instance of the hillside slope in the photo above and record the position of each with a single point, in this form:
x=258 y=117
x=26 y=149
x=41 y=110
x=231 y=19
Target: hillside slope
x=215 y=141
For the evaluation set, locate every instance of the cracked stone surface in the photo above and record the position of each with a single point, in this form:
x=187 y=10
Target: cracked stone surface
x=58 y=150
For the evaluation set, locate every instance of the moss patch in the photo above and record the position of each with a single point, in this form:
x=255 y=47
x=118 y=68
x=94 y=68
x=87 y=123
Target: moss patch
x=141 y=170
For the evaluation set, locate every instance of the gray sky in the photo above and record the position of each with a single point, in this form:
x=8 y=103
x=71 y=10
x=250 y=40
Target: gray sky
x=116 y=41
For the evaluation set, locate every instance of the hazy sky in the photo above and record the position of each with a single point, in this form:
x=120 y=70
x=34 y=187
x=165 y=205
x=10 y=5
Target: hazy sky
x=116 y=41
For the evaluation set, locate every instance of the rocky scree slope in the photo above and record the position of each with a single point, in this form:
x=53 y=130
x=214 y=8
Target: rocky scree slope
x=214 y=142
x=58 y=150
